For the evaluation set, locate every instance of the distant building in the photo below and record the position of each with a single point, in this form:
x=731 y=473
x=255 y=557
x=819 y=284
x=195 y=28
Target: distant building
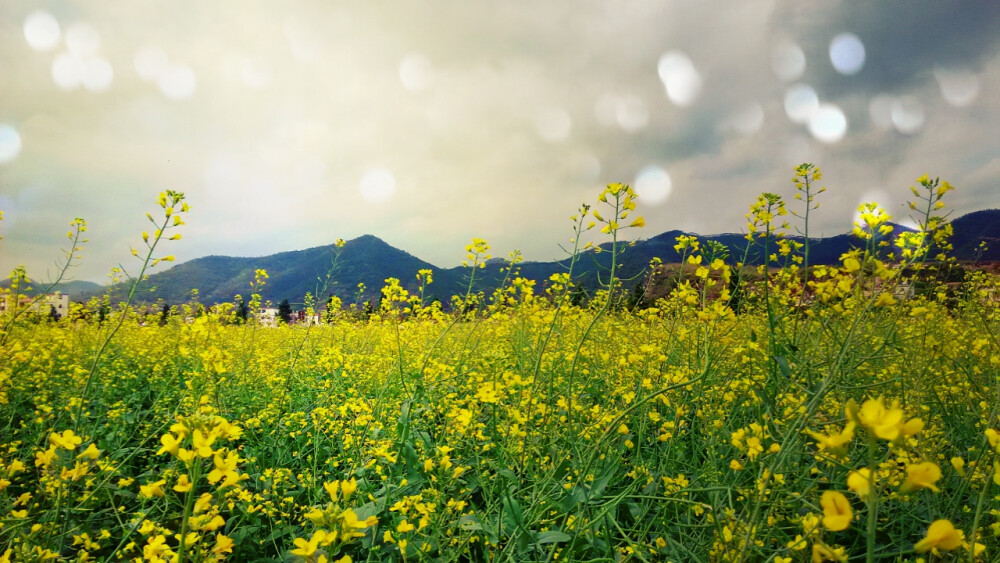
x=904 y=291
x=302 y=317
x=268 y=316
x=43 y=304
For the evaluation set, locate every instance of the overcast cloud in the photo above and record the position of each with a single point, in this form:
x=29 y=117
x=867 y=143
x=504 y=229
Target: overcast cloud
x=429 y=123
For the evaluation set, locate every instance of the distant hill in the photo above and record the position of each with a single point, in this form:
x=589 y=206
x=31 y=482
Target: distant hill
x=291 y=275
x=76 y=290
x=370 y=260
x=976 y=227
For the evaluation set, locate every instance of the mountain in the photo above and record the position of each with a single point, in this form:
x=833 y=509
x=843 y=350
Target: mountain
x=76 y=290
x=973 y=228
x=366 y=259
x=370 y=260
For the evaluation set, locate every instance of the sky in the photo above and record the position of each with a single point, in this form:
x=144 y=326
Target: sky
x=289 y=125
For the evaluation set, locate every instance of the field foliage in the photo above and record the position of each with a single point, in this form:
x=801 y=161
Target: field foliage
x=791 y=413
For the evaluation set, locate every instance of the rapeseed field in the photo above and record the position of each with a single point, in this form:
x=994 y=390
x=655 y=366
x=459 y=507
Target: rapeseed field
x=783 y=413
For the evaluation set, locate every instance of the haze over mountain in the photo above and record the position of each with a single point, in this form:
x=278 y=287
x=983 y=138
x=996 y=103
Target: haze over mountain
x=369 y=260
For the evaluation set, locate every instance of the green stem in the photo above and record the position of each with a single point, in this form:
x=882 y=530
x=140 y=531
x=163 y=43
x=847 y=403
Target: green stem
x=188 y=504
x=873 y=502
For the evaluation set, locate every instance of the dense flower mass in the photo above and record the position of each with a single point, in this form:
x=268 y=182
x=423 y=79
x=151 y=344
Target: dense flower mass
x=720 y=411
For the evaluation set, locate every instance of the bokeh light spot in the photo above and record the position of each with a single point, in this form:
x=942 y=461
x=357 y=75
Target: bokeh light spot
x=788 y=61
x=627 y=111
x=10 y=143
x=150 y=63
x=880 y=110
x=606 y=110
x=679 y=77
x=748 y=118
x=377 y=185
x=907 y=115
x=41 y=31
x=828 y=123
x=67 y=71
x=959 y=87
x=177 y=82
x=653 y=185
x=82 y=40
x=553 y=124
x=631 y=114
x=415 y=72
x=847 y=53
x=800 y=103
x=97 y=74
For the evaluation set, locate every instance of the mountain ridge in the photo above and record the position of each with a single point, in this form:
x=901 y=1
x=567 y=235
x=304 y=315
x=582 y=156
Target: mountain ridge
x=369 y=260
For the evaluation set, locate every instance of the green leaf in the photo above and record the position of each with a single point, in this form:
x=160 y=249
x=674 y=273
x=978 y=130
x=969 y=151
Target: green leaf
x=553 y=537
x=469 y=523
x=783 y=366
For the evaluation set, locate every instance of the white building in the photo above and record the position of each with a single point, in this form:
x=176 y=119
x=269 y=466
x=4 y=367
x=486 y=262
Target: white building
x=268 y=316
x=42 y=304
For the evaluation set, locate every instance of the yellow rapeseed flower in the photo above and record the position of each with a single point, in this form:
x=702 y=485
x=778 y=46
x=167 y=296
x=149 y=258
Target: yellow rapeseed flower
x=151 y=490
x=837 y=513
x=45 y=458
x=959 y=465
x=223 y=546
x=331 y=488
x=940 y=535
x=203 y=444
x=822 y=552
x=170 y=444
x=348 y=487
x=183 y=484
x=90 y=453
x=836 y=442
x=860 y=482
x=156 y=549
x=921 y=476
x=885 y=422
x=68 y=440
x=306 y=548
x=214 y=524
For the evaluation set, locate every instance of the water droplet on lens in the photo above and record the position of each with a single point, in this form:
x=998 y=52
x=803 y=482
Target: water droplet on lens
x=653 y=185
x=828 y=123
x=847 y=53
x=680 y=78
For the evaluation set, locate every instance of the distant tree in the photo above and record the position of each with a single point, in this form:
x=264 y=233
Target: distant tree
x=165 y=314
x=577 y=296
x=242 y=311
x=637 y=299
x=285 y=311
x=737 y=294
x=53 y=314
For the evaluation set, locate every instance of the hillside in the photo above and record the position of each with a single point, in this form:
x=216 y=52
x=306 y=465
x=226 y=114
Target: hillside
x=76 y=290
x=366 y=259
x=370 y=260
x=971 y=229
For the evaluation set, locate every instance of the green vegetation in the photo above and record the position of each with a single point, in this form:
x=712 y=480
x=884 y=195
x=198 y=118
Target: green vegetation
x=829 y=416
